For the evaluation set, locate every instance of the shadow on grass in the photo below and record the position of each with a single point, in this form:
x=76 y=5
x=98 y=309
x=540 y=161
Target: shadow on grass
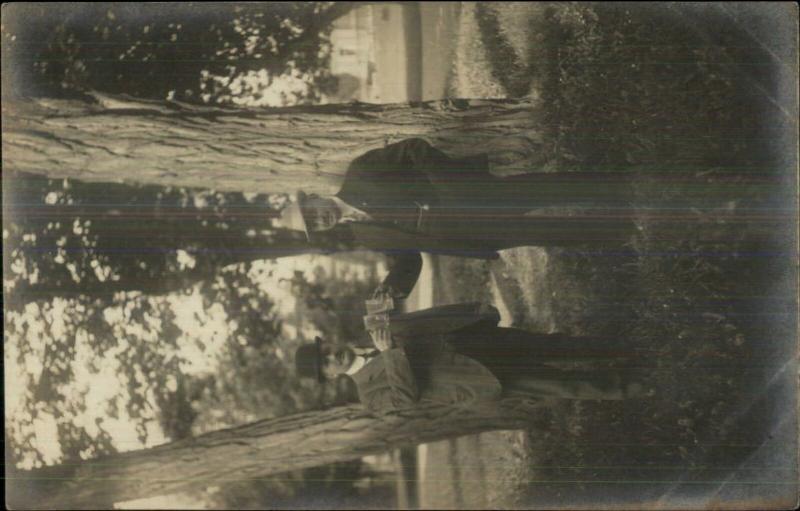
x=506 y=67
x=654 y=84
x=663 y=89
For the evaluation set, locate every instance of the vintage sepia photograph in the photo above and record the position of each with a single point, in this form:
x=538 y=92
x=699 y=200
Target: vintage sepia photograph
x=400 y=255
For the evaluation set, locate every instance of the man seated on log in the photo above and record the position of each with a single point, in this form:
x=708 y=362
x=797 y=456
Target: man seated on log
x=457 y=353
x=409 y=197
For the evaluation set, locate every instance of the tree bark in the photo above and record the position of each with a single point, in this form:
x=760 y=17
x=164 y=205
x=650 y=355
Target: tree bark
x=257 y=450
x=271 y=150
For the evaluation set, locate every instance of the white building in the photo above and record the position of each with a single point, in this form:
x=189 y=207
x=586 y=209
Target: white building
x=370 y=54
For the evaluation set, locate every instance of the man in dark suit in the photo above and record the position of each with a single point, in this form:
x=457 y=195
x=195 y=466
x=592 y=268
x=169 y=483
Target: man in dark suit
x=457 y=353
x=409 y=197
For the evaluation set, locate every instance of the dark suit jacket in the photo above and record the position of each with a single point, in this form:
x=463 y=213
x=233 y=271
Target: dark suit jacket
x=421 y=200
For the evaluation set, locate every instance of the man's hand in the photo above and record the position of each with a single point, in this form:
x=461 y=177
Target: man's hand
x=381 y=338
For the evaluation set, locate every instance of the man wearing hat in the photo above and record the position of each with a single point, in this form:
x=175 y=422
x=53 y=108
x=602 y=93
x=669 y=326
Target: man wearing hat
x=410 y=197
x=457 y=353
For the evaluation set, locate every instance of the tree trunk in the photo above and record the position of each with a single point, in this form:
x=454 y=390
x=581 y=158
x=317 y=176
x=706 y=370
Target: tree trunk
x=257 y=450
x=107 y=139
x=270 y=150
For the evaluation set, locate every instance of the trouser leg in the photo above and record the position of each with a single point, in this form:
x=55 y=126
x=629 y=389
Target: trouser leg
x=567 y=229
x=518 y=359
x=686 y=187
x=516 y=347
x=502 y=229
x=536 y=190
x=549 y=383
x=562 y=347
x=674 y=203
x=598 y=191
x=536 y=209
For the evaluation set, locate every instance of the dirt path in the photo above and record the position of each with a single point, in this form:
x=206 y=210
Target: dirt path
x=439 y=38
x=489 y=470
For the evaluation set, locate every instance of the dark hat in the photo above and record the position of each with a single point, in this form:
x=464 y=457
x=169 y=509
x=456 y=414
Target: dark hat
x=308 y=360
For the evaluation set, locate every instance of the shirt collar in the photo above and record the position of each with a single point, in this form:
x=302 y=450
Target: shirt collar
x=349 y=213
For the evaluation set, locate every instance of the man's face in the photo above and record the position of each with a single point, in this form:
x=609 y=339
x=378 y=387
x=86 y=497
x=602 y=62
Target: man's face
x=336 y=359
x=321 y=213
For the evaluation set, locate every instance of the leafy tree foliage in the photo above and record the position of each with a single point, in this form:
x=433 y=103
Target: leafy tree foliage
x=337 y=302
x=94 y=279
x=67 y=237
x=73 y=237
x=268 y=52
x=82 y=378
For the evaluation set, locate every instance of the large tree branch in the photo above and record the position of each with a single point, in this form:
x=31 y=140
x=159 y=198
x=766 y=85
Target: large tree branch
x=271 y=150
x=259 y=449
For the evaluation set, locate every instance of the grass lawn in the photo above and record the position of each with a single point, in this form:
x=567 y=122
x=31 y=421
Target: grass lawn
x=663 y=90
